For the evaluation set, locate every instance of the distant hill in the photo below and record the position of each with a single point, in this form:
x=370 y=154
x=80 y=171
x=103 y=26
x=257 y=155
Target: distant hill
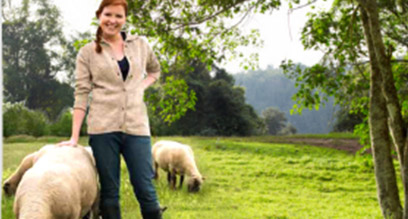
x=270 y=88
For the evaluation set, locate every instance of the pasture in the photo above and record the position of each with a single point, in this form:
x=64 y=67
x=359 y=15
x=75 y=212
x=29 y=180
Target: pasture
x=247 y=178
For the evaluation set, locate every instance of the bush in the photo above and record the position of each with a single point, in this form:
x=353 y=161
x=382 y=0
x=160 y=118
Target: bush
x=19 y=120
x=12 y=121
x=63 y=125
x=36 y=123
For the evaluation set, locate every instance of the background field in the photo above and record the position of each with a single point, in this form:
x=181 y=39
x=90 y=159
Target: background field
x=248 y=178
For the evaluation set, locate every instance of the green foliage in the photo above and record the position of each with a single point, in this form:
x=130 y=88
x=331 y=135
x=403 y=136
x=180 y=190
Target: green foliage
x=276 y=122
x=202 y=30
x=176 y=100
x=63 y=125
x=363 y=131
x=220 y=107
x=343 y=72
x=270 y=88
x=206 y=31
x=32 y=36
x=346 y=121
x=19 y=120
x=70 y=51
x=270 y=180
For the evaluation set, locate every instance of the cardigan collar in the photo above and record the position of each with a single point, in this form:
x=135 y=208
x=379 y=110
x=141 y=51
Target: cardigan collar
x=127 y=37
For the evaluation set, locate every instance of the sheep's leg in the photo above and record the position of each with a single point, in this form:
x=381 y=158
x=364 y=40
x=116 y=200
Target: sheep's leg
x=87 y=216
x=181 y=181
x=156 y=170
x=10 y=185
x=169 y=177
x=173 y=179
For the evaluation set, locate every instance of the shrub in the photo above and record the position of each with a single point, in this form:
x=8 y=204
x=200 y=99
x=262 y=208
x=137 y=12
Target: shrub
x=36 y=123
x=19 y=120
x=63 y=125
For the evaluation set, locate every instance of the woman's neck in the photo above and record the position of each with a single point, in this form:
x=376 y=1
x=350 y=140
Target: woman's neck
x=113 y=39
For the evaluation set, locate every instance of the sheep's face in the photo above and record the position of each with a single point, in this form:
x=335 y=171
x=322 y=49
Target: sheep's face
x=9 y=188
x=194 y=184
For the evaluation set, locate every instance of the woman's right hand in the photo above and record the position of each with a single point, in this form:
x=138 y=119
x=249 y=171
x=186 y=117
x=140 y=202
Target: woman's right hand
x=71 y=142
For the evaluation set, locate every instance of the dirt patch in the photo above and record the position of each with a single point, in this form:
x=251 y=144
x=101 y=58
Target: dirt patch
x=349 y=145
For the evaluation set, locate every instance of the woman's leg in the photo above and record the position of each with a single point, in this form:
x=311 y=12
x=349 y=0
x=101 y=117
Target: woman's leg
x=138 y=156
x=106 y=150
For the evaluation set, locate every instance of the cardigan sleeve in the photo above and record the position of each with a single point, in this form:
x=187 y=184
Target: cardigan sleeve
x=152 y=65
x=83 y=84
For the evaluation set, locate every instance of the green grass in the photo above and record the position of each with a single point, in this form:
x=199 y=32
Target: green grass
x=344 y=135
x=247 y=178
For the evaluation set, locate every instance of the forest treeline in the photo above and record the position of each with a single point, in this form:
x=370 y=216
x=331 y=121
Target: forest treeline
x=271 y=88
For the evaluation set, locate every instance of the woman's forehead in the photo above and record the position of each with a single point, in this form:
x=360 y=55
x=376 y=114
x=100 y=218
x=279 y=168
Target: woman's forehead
x=114 y=8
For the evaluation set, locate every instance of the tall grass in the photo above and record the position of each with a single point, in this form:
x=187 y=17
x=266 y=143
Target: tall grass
x=251 y=179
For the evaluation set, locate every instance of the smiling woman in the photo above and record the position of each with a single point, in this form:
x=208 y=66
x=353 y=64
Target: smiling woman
x=114 y=69
x=111 y=19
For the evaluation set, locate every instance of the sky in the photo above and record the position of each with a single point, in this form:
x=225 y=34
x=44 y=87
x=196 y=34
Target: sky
x=280 y=32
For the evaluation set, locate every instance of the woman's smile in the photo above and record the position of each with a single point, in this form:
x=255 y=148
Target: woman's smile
x=111 y=20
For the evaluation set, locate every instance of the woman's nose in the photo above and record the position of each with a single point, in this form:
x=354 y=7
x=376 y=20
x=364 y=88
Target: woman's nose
x=112 y=20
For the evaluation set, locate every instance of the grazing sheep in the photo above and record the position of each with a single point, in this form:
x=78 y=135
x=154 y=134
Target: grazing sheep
x=176 y=158
x=55 y=182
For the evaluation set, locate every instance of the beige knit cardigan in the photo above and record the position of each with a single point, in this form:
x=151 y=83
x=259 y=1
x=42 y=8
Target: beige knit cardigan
x=114 y=105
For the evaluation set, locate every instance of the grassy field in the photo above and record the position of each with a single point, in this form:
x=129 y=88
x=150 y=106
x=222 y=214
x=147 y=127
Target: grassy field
x=246 y=178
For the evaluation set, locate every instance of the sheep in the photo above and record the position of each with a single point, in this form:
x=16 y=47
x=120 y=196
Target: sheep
x=55 y=182
x=176 y=158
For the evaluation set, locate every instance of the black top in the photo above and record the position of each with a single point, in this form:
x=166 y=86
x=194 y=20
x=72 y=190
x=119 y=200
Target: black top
x=124 y=64
x=124 y=67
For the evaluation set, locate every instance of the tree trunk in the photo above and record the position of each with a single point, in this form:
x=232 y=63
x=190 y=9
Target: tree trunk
x=396 y=122
x=387 y=189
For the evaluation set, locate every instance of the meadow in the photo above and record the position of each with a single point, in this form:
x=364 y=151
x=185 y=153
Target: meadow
x=247 y=178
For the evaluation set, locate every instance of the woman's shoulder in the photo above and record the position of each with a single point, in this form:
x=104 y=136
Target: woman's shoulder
x=136 y=38
x=88 y=49
x=91 y=45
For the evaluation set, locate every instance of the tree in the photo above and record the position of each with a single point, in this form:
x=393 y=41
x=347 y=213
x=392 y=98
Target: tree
x=351 y=33
x=271 y=88
x=346 y=121
x=203 y=30
x=220 y=108
x=276 y=122
x=193 y=30
x=30 y=57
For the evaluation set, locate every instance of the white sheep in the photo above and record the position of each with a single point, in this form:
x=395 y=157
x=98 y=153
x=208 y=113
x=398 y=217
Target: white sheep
x=55 y=182
x=176 y=159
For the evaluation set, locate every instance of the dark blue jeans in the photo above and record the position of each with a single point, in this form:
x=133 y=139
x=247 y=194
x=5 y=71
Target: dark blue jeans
x=136 y=151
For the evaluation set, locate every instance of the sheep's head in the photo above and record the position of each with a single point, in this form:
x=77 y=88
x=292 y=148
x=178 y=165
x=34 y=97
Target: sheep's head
x=9 y=188
x=194 y=184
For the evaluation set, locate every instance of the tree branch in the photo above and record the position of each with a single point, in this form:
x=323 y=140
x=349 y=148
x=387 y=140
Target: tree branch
x=204 y=19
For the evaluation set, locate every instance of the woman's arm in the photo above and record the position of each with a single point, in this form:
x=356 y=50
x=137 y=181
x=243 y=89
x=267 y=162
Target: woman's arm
x=150 y=79
x=82 y=89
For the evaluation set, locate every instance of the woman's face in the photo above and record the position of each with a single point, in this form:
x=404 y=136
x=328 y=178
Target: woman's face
x=111 y=20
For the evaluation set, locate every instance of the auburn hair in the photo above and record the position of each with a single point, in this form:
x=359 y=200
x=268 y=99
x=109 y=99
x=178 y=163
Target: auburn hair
x=103 y=4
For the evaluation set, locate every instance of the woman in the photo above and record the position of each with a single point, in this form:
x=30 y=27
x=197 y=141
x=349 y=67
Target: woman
x=113 y=68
